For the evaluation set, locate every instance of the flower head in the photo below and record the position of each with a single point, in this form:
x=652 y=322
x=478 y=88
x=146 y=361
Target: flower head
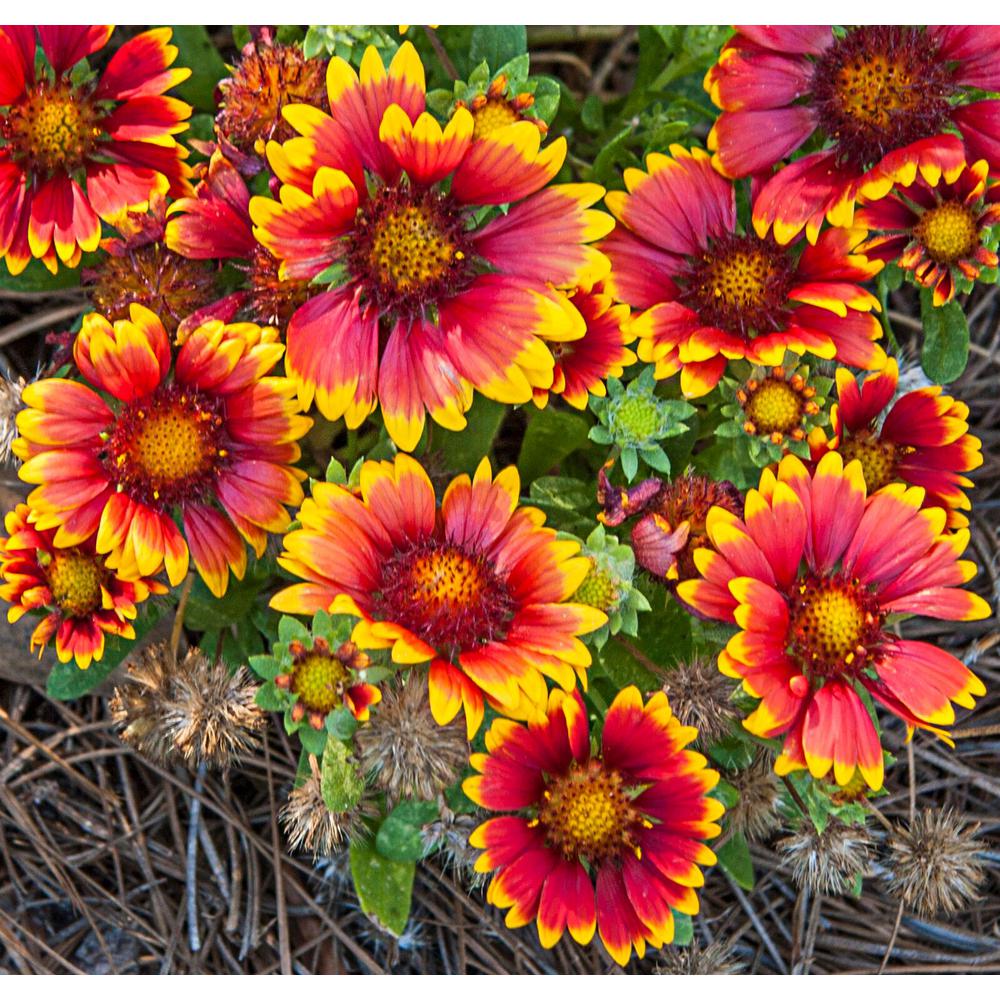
x=81 y=598
x=477 y=588
x=74 y=152
x=712 y=293
x=672 y=518
x=583 y=366
x=631 y=819
x=267 y=77
x=435 y=291
x=833 y=861
x=774 y=410
x=313 y=672
x=701 y=697
x=882 y=102
x=10 y=405
x=937 y=231
x=138 y=267
x=636 y=420
x=497 y=107
x=811 y=574
x=921 y=438
x=716 y=959
x=405 y=751
x=199 y=433
x=609 y=587
x=195 y=709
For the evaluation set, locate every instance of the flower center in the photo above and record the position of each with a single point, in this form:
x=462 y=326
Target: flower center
x=318 y=679
x=947 y=232
x=833 y=625
x=165 y=449
x=274 y=299
x=690 y=498
x=598 y=590
x=879 y=88
x=74 y=578
x=740 y=285
x=452 y=600
x=410 y=249
x=588 y=813
x=494 y=114
x=877 y=458
x=636 y=418
x=52 y=128
x=774 y=407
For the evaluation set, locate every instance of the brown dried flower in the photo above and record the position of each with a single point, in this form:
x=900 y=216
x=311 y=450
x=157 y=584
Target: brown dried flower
x=755 y=815
x=196 y=710
x=10 y=404
x=934 y=866
x=716 y=959
x=405 y=751
x=309 y=824
x=700 y=696
x=830 y=862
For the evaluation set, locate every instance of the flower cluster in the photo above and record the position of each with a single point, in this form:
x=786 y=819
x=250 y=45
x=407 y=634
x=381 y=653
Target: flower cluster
x=433 y=633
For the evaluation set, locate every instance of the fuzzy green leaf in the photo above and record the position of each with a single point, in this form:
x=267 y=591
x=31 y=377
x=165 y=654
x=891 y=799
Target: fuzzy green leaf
x=946 y=339
x=340 y=782
x=400 y=836
x=497 y=44
x=384 y=886
x=734 y=859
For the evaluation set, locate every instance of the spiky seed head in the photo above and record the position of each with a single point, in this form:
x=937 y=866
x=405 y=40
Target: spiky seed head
x=449 y=836
x=10 y=404
x=830 y=862
x=934 y=866
x=195 y=711
x=755 y=814
x=701 y=696
x=716 y=959
x=308 y=823
x=405 y=751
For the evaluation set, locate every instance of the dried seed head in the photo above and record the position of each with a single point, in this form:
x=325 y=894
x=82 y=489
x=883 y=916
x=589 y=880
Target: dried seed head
x=10 y=404
x=934 y=866
x=310 y=826
x=700 y=696
x=755 y=815
x=717 y=959
x=197 y=710
x=405 y=751
x=450 y=836
x=830 y=862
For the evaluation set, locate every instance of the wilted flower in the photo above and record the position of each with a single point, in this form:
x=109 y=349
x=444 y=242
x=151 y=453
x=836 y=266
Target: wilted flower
x=196 y=710
x=831 y=862
x=702 y=697
x=755 y=813
x=934 y=866
x=405 y=751
x=10 y=404
x=716 y=959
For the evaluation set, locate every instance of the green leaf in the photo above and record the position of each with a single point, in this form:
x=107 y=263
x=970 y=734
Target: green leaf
x=206 y=612
x=464 y=450
x=313 y=740
x=270 y=697
x=291 y=629
x=946 y=338
x=400 y=836
x=551 y=436
x=497 y=44
x=384 y=886
x=732 y=753
x=67 y=681
x=340 y=782
x=683 y=930
x=341 y=724
x=207 y=67
x=734 y=859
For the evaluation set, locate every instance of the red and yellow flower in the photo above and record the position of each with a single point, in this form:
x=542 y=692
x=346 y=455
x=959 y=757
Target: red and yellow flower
x=113 y=134
x=611 y=841
x=477 y=587
x=583 y=366
x=812 y=574
x=202 y=435
x=921 y=439
x=936 y=231
x=885 y=102
x=439 y=292
x=215 y=224
x=711 y=293
x=81 y=598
